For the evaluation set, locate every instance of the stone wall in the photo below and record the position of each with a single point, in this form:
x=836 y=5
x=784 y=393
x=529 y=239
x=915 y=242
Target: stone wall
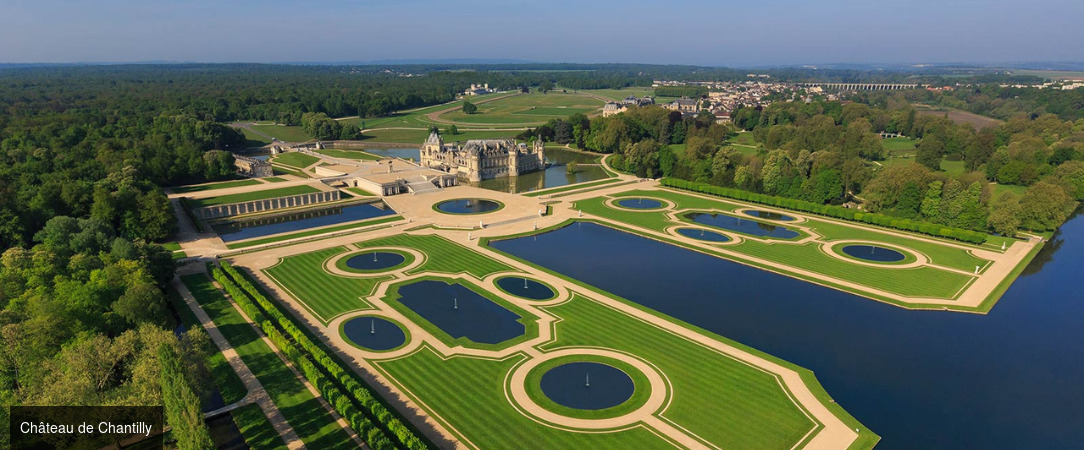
x=271 y=204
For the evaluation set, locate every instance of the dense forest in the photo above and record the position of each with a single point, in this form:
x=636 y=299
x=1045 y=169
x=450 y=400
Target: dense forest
x=832 y=153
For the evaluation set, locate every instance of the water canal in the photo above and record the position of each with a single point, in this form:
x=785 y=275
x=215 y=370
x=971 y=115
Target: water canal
x=920 y=379
x=295 y=221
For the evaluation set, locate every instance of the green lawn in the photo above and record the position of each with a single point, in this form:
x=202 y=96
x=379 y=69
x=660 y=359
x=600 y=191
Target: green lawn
x=325 y=295
x=620 y=94
x=527 y=109
x=743 y=139
x=254 y=195
x=313 y=424
x=253 y=139
x=953 y=167
x=250 y=419
x=467 y=392
x=724 y=401
x=899 y=144
x=296 y=159
x=284 y=133
x=418 y=136
x=274 y=179
x=571 y=187
x=442 y=255
x=213 y=186
x=740 y=407
x=360 y=191
x=348 y=154
x=256 y=429
x=923 y=281
x=1018 y=190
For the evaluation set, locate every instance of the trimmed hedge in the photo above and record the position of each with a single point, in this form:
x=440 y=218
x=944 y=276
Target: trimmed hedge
x=360 y=394
x=837 y=212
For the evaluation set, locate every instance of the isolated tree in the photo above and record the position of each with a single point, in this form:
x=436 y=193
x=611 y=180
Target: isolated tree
x=469 y=108
x=451 y=130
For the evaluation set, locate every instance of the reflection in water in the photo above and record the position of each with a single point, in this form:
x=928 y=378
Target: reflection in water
x=555 y=175
x=281 y=223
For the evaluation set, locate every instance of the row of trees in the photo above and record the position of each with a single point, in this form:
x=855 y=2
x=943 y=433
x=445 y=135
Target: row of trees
x=353 y=400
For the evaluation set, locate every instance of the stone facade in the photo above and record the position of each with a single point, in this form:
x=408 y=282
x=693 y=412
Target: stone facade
x=478 y=160
x=252 y=167
x=270 y=204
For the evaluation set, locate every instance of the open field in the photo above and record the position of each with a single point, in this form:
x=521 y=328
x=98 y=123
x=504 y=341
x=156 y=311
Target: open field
x=295 y=159
x=254 y=139
x=313 y=424
x=958 y=116
x=418 y=136
x=619 y=94
x=1015 y=189
x=466 y=389
x=1051 y=74
x=944 y=277
x=254 y=195
x=287 y=133
x=526 y=109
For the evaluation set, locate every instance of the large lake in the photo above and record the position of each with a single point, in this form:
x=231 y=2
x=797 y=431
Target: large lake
x=921 y=379
x=554 y=176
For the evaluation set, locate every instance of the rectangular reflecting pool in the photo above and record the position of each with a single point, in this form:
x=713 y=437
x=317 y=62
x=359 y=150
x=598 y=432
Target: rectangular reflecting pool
x=920 y=379
x=460 y=312
x=301 y=220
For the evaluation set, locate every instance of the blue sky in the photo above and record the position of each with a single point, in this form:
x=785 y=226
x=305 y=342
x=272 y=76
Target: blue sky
x=724 y=32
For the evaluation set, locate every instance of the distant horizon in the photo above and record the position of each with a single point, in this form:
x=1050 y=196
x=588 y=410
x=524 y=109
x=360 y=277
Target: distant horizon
x=687 y=32
x=1008 y=65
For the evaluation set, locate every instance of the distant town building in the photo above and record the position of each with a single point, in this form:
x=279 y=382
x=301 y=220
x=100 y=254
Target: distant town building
x=478 y=89
x=252 y=167
x=611 y=108
x=483 y=159
x=684 y=105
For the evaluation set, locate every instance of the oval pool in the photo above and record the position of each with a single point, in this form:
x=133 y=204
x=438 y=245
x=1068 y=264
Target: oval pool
x=467 y=206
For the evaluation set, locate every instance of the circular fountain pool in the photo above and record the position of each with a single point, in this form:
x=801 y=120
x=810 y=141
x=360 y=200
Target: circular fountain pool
x=526 y=288
x=468 y=206
x=373 y=333
x=587 y=385
x=375 y=261
x=639 y=203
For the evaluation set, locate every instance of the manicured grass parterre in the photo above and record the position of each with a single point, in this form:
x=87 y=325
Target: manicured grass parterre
x=924 y=281
x=721 y=400
x=465 y=392
x=325 y=295
x=254 y=195
x=312 y=423
x=213 y=186
x=256 y=429
x=442 y=255
x=274 y=179
x=360 y=191
x=296 y=159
